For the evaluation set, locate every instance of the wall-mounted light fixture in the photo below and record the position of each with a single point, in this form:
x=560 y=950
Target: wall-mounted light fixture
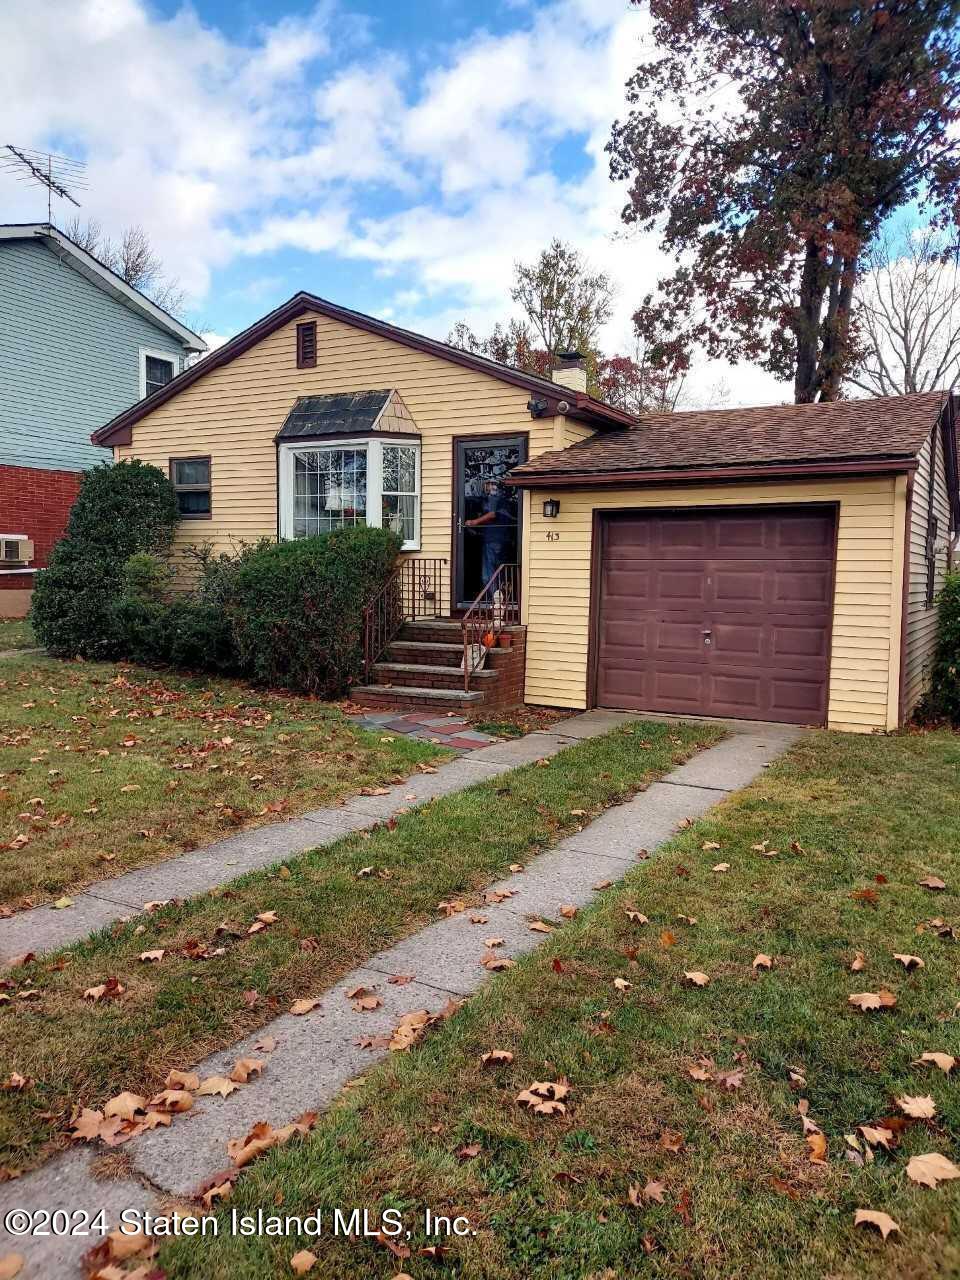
x=551 y=509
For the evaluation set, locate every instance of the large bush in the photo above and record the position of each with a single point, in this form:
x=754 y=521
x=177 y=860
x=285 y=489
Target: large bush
x=296 y=608
x=944 y=698
x=120 y=512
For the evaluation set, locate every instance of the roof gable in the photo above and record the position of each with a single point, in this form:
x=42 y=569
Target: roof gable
x=101 y=276
x=338 y=414
x=577 y=404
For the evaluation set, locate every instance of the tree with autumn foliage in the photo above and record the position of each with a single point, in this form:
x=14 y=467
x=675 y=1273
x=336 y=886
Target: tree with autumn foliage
x=770 y=141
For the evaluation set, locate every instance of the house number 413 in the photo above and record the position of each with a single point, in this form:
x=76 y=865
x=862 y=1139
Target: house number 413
x=552 y=535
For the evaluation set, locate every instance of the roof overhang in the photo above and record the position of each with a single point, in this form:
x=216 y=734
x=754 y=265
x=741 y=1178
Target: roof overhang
x=87 y=265
x=712 y=475
x=580 y=406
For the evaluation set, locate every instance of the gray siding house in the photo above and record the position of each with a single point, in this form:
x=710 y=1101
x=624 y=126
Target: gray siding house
x=77 y=345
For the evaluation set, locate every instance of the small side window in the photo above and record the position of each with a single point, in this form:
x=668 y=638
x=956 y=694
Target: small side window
x=157 y=368
x=190 y=478
x=307 y=345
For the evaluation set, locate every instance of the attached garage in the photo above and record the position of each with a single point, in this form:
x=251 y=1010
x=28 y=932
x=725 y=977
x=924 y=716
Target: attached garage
x=776 y=563
x=717 y=612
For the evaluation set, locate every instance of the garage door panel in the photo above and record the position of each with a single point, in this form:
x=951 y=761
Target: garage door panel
x=717 y=613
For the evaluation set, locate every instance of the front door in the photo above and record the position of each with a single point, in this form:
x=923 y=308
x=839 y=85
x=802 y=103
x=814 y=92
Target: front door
x=486 y=512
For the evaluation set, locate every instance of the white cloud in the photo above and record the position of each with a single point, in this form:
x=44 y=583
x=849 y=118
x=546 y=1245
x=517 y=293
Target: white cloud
x=229 y=148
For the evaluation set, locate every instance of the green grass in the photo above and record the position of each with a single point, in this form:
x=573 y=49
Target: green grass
x=548 y=1197
x=176 y=1011
x=105 y=767
x=16 y=633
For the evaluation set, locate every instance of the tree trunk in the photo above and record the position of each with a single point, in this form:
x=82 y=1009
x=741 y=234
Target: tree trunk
x=836 y=332
x=812 y=288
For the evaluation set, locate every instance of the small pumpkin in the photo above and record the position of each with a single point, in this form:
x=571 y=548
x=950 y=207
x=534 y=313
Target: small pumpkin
x=488 y=640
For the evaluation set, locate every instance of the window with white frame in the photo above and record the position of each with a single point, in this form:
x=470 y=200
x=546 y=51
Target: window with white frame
x=157 y=368
x=352 y=482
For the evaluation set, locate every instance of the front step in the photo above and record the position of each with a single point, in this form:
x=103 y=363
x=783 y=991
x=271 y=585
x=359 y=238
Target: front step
x=417 y=675
x=426 y=653
x=381 y=695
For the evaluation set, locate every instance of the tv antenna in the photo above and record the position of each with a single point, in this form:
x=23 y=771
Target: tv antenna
x=60 y=175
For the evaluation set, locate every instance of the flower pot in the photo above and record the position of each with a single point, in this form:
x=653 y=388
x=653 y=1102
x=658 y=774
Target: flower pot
x=504 y=640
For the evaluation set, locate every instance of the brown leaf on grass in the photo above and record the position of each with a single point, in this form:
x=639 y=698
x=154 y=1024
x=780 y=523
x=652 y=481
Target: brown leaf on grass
x=568 y=911
x=817 y=1148
x=496 y=963
x=730 y=1080
x=152 y=957
x=86 y=1126
x=220 y=1191
x=242 y=1150
x=699 y=1073
x=452 y=906
x=182 y=1080
x=931 y=1169
x=762 y=961
x=869 y=1000
x=909 y=962
x=857 y=963
x=637 y=916
x=516 y=867
x=496 y=1058
x=931 y=882
x=244 y=1068
x=603 y=884
x=16 y=1083
x=409 y=1030
x=302 y=1262
x=878 y=1136
x=127 y=1244
x=709 y=846
x=306 y=1005
x=667 y=938
x=545 y=1097
x=671 y=1141
x=945 y=1061
x=216 y=1085
x=918 y=1108
x=468 y=1152
x=722 y=866
x=696 y=978
x=539 y=926
x=873 y=1218
x=622 y=984
x=111 y=989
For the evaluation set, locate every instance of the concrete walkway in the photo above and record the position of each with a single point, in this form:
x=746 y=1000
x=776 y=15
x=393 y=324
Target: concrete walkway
x=119 y=897
x=317 y=1054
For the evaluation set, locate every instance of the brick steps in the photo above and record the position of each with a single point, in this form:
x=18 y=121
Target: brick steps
x=422 y=667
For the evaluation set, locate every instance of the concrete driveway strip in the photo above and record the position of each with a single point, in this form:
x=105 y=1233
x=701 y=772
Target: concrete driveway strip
x=117 y=898
x=316 y=1055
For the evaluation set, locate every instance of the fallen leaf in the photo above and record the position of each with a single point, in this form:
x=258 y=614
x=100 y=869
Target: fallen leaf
x=302 y=1262
x=152 y=957
x=622 y=984
x=722 y=866
x=671 y=1141
x=696 y=978
x=496 y=1058
x=931 y=1169
x=877 y=1136
x=216 y=1085
x=945 y=1061
x=266 y=1044
x=125 y=1106
x=182 y=1079
x=300 y=1007
x=568 y=912
x=400 y=979
x=636 y=916
x=496 y=963
x=538 y=926
x=603 y=884
x=918 y=1108
x=872 y=1218
x=469 y=1152
x=762 y=961
x=709 y=846
x=931 y=882
x=244 y=1068
x=857 y=963
x=61 y=904
x=172 y=1100
x=867 y=1000
x=545 y=1097
x=817 y=1148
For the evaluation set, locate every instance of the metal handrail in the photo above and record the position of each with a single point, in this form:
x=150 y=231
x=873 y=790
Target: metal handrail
x=413 y=590
x=495 y=608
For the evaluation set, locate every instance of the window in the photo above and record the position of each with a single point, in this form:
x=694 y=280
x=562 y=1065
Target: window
x=307 y=345
x=157 y=368
x=190 y=478
x=352 y=482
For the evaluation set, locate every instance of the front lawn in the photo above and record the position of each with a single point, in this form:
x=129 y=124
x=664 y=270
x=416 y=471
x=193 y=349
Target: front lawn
x=16 y=633
x=105 y=767
x=681 y=1150
x=335 y=907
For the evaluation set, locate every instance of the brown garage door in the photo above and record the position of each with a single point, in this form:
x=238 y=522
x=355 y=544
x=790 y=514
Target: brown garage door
x=717 y=612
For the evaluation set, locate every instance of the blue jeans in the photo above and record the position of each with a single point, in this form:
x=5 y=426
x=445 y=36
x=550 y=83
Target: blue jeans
x=492 y=554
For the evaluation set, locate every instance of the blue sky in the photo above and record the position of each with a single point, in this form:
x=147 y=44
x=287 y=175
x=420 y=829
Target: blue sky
x=394 y=157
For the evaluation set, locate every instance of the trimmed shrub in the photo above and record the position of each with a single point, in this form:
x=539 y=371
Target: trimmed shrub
x=120 y=511
x=296 y=608
x=943 y=701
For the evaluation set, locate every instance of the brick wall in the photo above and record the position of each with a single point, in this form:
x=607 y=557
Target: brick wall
x=509 y=664
x=34 y=502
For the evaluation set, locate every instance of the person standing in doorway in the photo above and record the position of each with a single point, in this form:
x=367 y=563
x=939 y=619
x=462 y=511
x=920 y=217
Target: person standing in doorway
x=496 y=527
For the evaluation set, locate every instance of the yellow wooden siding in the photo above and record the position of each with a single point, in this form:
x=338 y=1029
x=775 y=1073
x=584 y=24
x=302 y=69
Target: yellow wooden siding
x=235 y=412
x=864 y=667
x=921 y=622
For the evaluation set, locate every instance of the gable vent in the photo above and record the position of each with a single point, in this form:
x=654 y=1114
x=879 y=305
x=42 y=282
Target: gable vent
x=307 y=345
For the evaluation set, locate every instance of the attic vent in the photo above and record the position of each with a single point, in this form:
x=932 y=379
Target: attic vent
x=307 y=345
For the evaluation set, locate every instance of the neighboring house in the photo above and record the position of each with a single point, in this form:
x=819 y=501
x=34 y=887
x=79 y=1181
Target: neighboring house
x=77 y=345
x=776 y=563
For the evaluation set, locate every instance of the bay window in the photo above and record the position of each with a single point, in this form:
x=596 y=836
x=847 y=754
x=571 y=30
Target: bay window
x=368 y=481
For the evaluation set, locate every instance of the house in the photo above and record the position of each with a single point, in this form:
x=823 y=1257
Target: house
x=77 y=345
x=776 y=563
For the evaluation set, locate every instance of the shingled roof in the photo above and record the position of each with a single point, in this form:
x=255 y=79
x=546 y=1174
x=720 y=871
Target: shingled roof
x=885 y=433
x=334 y=414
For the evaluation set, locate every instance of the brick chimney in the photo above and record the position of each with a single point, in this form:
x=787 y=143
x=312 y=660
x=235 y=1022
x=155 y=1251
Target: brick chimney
x=571 y=370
